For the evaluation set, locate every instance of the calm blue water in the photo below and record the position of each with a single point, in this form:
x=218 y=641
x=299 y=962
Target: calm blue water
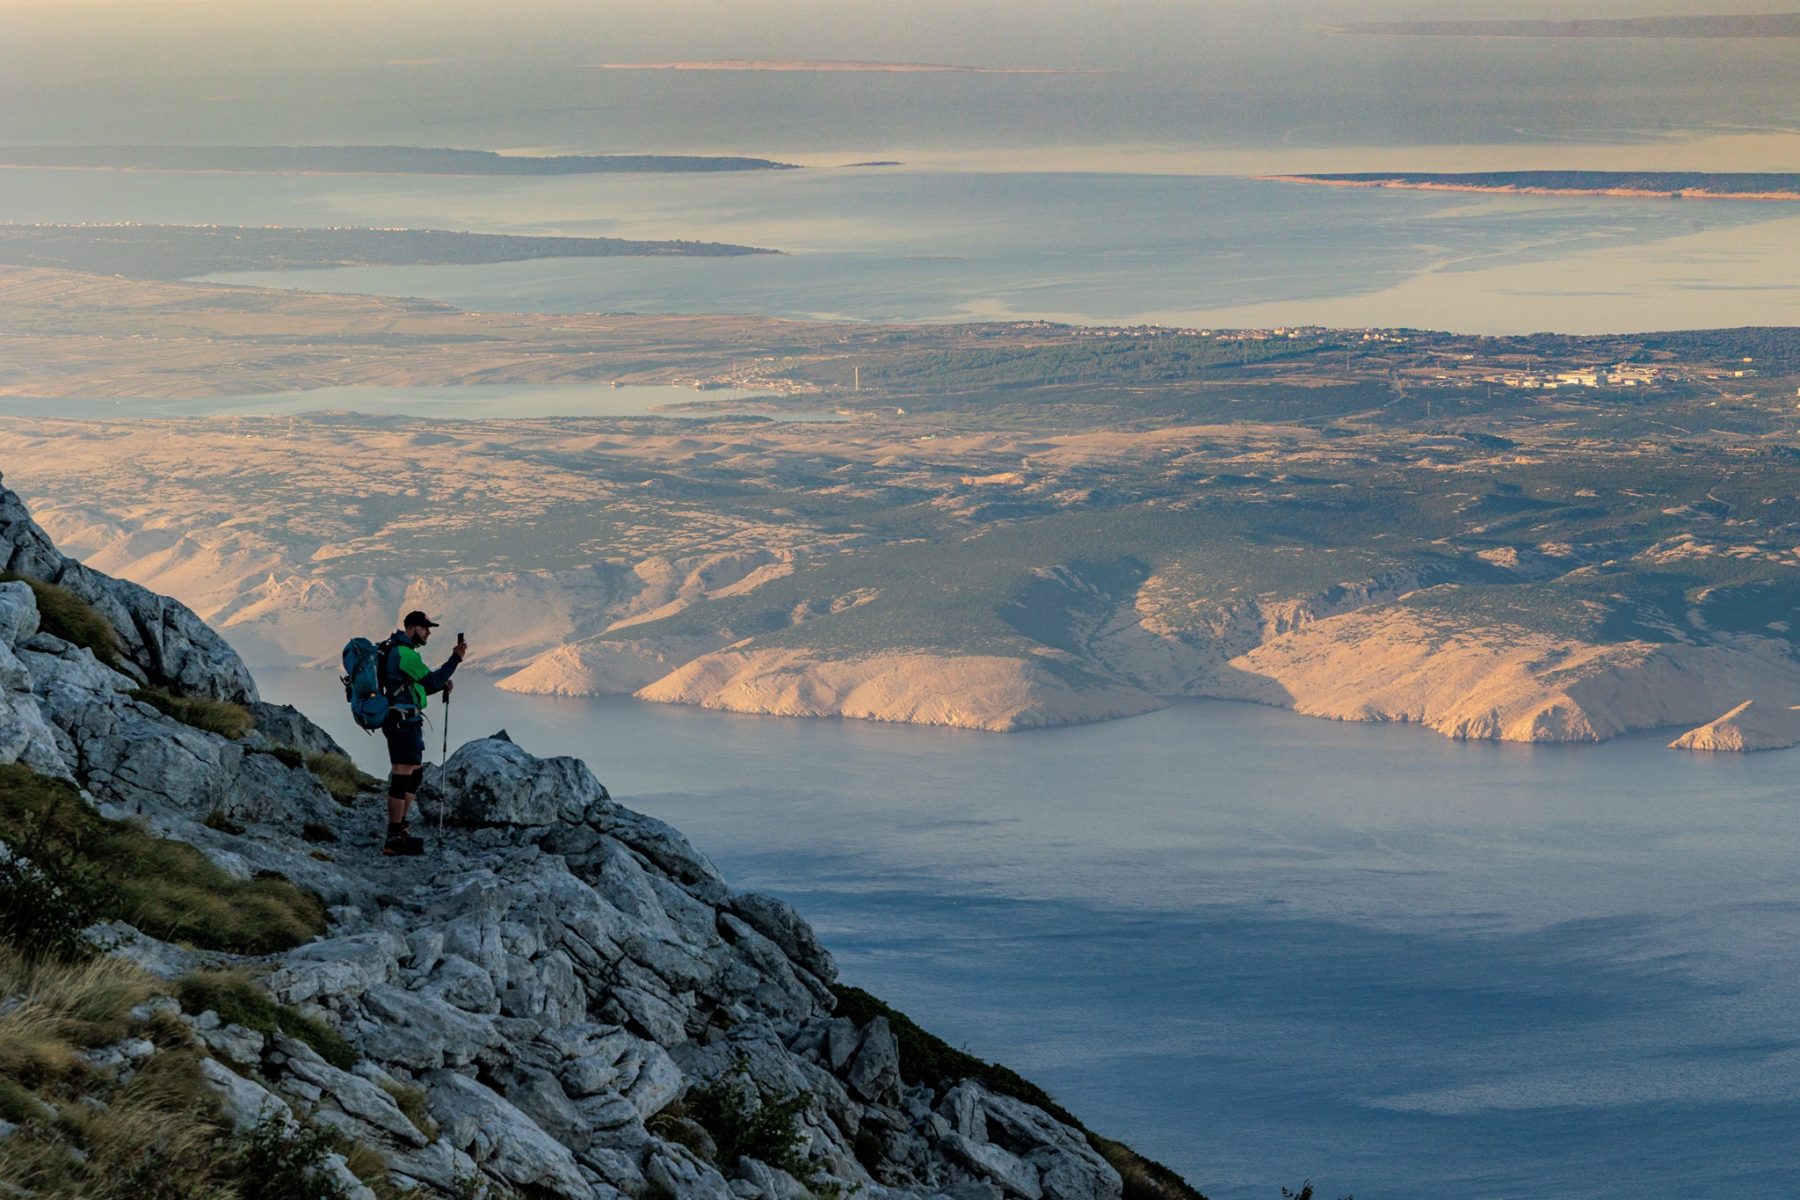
x=926 y=245
x=1261 y=947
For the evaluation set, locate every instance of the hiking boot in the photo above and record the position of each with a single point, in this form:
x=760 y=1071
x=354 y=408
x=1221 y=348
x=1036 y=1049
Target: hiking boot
x=404 y=845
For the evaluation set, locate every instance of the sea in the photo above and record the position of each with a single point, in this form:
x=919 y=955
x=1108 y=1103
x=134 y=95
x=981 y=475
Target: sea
x=1261 y=947
x=937 y=244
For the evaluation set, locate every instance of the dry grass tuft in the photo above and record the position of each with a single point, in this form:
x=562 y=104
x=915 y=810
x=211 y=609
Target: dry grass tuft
x=83 y=1134
x=411 y=1101
x=222 y=717
x=341 y=777
x=63 y=614
x=240 y=1000
x=166 y=888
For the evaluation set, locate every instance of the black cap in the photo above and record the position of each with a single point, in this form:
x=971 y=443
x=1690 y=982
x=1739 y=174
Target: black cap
x=415 y=617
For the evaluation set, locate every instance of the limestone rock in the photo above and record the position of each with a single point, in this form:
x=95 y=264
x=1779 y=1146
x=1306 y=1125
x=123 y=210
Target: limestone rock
x=245 y=1103
x=874 y=1074
x=162 y=636
x=494 y=782
x=501 y=1139
x=285 y=725
x=778 y=921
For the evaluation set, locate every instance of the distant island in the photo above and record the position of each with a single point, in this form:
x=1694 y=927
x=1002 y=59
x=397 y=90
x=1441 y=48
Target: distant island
x=184 y=251
x=1756 y=25
x=829 y=65
x=1662 y=185
x=365 y=160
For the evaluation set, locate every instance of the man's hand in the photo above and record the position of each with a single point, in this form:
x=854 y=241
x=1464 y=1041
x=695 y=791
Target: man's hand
x=449 y=686
x=460 y=649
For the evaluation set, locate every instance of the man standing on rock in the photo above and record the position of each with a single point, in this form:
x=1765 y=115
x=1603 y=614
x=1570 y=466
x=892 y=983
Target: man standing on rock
x=406 y=682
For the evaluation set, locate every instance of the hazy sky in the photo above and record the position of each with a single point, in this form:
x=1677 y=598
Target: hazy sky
x=509 y=75
x=177 y=35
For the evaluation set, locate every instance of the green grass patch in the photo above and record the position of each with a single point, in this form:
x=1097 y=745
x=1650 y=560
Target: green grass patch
x=341 y=777
x=287 y=756
x=166 y=888
x=240 y=1000
x=63 y=614
x=928 y=1059
x=222 y=717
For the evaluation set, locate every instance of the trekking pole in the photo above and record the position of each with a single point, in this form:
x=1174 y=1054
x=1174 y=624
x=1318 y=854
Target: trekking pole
x=442 y=759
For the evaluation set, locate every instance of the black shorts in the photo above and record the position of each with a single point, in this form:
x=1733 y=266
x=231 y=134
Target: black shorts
x=405 y=739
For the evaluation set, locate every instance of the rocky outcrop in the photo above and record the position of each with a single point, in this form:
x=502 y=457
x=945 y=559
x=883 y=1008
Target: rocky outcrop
x=548 y=984
x=989 y=692
x=1749 y=726
x=161 y=637
x=1502 y=682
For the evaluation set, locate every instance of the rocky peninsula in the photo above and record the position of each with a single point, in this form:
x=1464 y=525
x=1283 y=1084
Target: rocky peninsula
x=997 y=527
x=563 y=1000
x=1642 y=185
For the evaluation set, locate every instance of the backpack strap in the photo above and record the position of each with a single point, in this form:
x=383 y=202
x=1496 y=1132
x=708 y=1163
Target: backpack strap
x=394 y=684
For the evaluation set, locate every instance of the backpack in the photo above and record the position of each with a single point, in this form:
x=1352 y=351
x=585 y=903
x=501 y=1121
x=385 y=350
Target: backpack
x=369 y=704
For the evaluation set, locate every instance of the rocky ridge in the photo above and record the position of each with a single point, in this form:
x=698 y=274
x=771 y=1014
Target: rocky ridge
x=554 y=977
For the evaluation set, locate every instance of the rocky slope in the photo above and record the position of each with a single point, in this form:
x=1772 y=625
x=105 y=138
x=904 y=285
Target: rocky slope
x=1749 y=726
x=553 y=978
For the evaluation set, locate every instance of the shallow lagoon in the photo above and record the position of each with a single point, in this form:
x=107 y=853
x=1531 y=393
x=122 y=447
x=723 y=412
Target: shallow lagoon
x=1262 y=947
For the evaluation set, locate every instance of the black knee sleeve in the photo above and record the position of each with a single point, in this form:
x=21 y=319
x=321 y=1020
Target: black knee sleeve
x=400 y=785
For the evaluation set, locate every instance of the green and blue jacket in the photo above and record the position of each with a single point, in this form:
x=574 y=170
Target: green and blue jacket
x=405 y=676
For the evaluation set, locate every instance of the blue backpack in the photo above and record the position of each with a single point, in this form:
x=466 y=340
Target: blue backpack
x=369 y=704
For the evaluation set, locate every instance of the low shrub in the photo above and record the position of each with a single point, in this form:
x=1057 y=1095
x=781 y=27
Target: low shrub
x=222 y=717
x=341 y=777
x=166 y=888
x=744 y=1121
x=63 y=614
x=1144 y=1178
x=318 y=831
x=240 y=1000
x=48 y=893
x=281 y=1160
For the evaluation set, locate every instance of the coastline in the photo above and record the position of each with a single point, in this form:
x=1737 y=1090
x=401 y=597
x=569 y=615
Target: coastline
x=1399 y=184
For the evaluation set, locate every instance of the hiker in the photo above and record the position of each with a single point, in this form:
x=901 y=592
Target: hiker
x=406 y=682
